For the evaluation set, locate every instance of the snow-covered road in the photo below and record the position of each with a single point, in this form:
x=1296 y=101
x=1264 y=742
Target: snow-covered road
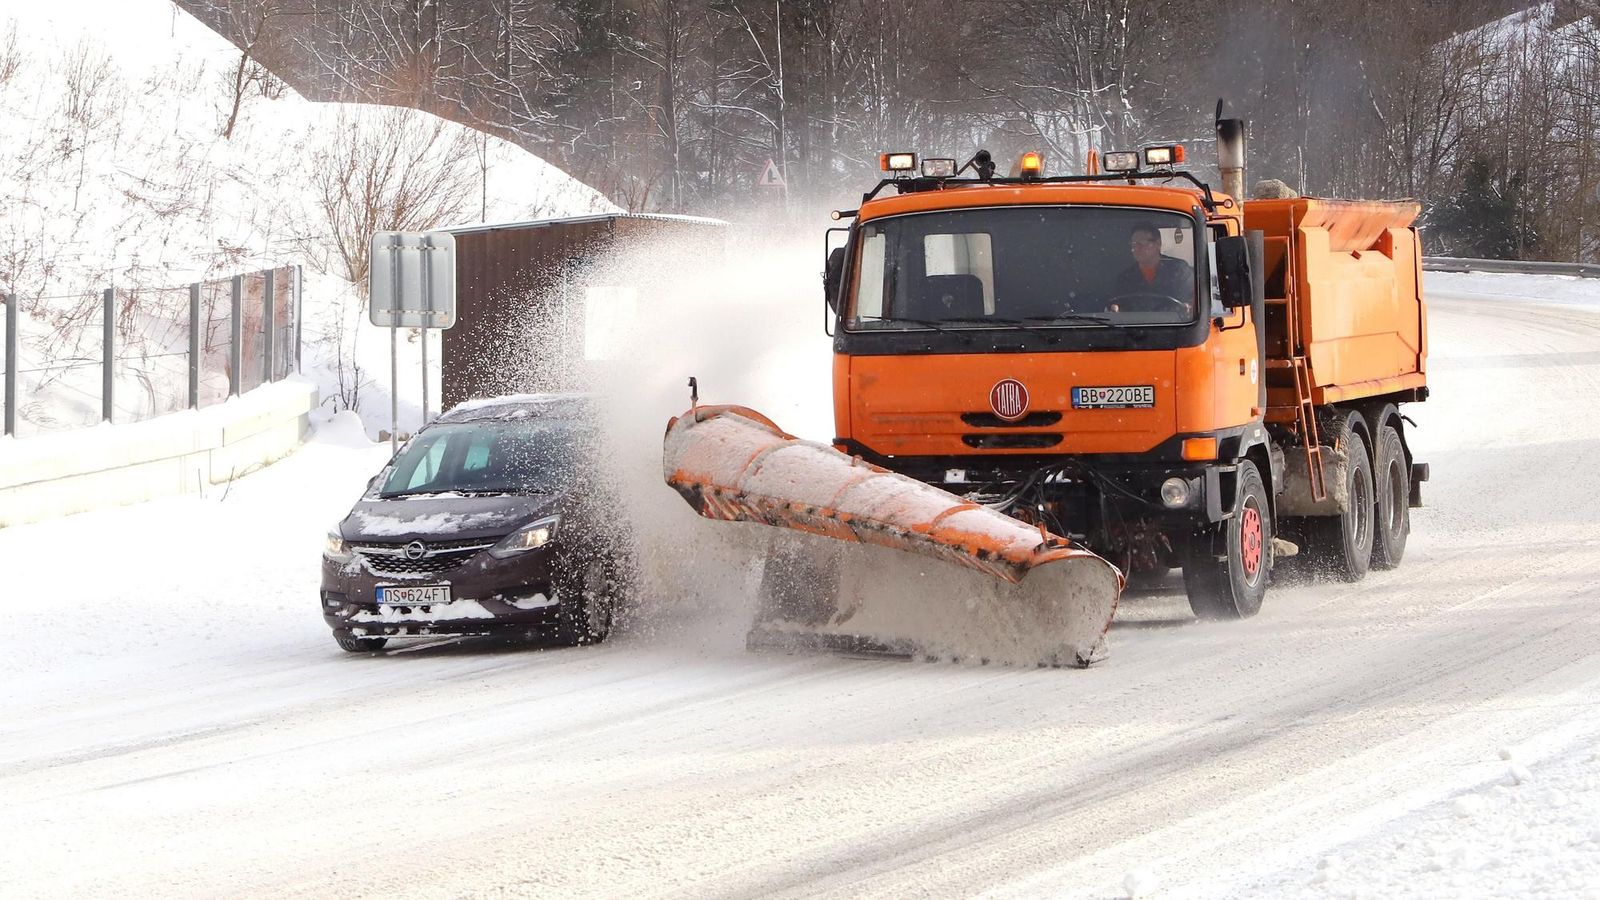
x=175 y=719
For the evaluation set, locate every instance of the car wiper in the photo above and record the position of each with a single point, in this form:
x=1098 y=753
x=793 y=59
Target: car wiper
x=470 y=492
x=1094 y=318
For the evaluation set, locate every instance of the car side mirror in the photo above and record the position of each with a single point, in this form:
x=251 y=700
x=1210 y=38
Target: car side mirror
x=833 y=277
x=1234 y=276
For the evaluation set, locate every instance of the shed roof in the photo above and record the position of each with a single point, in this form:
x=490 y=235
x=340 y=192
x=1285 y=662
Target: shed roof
x=479 y=227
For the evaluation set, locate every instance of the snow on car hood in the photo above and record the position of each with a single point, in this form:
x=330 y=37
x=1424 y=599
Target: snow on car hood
x=449 y=517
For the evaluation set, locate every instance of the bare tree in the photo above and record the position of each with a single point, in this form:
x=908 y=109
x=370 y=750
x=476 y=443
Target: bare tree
x=10 y=55
x=398 y=170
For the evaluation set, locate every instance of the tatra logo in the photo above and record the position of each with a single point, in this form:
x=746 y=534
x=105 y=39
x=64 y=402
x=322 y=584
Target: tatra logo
x=1009 y=399
x=416 y=550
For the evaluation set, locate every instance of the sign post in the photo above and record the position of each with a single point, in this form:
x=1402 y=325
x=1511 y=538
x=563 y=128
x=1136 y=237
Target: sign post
x=411 y=283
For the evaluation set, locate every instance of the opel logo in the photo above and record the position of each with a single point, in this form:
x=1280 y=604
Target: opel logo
x=1009 y=399
x=416 y=550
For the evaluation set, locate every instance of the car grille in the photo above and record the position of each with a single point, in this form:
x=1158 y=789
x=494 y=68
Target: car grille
x=390 y=559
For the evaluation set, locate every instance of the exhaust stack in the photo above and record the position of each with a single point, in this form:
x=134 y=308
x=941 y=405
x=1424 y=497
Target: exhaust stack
x=1230 y=154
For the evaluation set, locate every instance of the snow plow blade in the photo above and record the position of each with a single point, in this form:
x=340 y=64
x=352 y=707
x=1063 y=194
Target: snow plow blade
x=1013 y=593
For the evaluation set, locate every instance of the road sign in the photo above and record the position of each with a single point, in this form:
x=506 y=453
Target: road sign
x=771 y=176
x=411 y=283
x=411 y=280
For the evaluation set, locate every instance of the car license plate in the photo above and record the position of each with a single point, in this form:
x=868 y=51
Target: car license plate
x=420 y=595
x=1141 y=396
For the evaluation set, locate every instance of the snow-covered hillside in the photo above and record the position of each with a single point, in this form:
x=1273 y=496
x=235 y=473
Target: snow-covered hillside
x=115 y=165
x=119 y=166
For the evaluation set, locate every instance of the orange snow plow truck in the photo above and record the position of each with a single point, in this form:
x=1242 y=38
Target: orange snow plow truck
x=1057 y=382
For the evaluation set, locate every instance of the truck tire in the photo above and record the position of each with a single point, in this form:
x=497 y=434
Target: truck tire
x=1225 y=572
x=1341 y=546
x=1393 y=487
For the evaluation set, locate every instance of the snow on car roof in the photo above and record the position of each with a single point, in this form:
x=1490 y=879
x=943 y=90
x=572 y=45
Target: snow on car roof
x=519 y=406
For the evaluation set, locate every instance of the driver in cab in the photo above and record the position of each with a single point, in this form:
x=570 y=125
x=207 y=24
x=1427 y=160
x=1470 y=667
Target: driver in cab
x=1152 y=274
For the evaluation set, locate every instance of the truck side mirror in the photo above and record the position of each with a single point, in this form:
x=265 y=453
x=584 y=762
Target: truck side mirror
x=833 y=277
x=1234 y=282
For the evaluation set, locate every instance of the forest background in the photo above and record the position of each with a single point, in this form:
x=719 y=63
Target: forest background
x=1487 y=111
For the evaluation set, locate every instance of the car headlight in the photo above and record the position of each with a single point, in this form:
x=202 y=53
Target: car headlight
x=334 y=548
x=529 y=537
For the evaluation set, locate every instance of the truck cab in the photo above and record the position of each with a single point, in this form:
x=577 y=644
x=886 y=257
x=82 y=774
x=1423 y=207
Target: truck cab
x=1089 y=353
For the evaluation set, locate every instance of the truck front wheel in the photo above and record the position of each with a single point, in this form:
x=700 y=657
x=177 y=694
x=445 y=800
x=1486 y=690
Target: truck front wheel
x=1225 y=570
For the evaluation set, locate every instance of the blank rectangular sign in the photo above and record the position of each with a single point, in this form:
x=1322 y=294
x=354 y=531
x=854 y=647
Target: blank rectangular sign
x=411 y=279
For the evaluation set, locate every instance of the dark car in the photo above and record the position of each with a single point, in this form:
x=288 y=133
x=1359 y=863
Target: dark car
x=493 y=519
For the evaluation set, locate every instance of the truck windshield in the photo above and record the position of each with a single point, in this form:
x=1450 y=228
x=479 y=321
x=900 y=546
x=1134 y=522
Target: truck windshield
x=1038 y=266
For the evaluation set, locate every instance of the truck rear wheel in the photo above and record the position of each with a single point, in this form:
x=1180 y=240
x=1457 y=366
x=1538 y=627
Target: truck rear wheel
x=1225 y=572
x=1393 y=477
x=1341 y=546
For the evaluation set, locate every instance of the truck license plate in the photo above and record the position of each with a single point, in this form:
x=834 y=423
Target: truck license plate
x=420 y=595
x=1142 y=396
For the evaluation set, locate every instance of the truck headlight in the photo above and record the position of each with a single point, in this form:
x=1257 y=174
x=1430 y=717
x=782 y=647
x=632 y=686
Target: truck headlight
x=897 y=162
x=529 y=537
x=334 y=548
x=1120 y=161
x=1175 y=493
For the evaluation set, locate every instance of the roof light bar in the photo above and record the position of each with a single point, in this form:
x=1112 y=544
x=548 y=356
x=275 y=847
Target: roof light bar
x=1164 y=155
x=1120 y=161
x=897 y=162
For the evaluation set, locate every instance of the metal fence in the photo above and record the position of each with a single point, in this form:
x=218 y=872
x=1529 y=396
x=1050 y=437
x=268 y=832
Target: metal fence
x=127 y=355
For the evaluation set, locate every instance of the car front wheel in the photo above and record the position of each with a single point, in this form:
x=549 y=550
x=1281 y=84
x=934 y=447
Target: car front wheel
x=588 y=599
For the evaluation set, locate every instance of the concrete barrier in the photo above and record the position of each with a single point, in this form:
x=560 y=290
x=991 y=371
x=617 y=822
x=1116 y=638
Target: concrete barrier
x=181 y=453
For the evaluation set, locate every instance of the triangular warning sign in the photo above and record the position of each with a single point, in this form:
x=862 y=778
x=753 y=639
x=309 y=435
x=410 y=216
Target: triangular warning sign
x=770 y=176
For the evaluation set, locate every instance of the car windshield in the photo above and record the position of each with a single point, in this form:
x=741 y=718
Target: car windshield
x=526 y=456
x=1035 y=266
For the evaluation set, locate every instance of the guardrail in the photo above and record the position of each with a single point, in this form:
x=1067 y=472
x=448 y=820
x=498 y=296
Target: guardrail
x=1508 y=266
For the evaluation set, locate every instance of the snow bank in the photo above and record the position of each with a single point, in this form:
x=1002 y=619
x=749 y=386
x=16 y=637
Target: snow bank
x=1530 y=831
x=1564 y=290
x=181 y=453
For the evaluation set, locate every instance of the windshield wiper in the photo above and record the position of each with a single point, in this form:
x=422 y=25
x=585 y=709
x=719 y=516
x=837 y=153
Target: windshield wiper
x=1045 y=336
x=926 y=323
x=470 y=492
x=1095 y=318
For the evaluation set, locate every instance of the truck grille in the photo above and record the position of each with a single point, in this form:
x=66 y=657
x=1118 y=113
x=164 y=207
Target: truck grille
x=1010 y=441
x=390 y=560
x=1042 y=419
